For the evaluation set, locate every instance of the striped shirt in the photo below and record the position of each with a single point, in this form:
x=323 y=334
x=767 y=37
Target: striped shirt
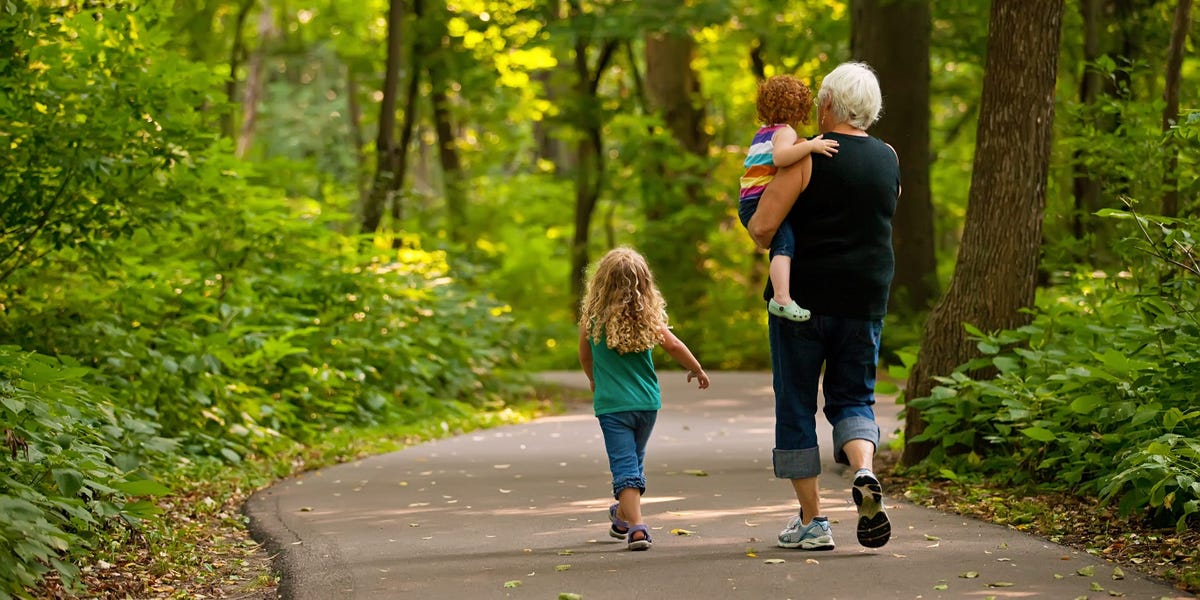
x=760 y=167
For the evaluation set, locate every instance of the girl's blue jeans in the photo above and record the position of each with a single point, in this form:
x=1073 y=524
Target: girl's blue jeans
x=784 y=242
x=849 y=350
x=625 y=437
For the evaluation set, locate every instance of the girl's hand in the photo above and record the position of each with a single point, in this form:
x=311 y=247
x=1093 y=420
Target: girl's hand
x=701 y=376
x=820 y=145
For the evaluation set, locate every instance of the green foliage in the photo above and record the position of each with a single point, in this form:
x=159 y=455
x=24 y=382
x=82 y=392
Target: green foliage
x=72 y=463
x=90 y=125
x=1106 y=369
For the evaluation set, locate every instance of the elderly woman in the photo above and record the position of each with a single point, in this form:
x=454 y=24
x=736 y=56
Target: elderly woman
x=840 y=209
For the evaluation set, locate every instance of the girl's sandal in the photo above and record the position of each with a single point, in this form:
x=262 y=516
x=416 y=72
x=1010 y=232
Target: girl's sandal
x=642 y=543
x=619 y=528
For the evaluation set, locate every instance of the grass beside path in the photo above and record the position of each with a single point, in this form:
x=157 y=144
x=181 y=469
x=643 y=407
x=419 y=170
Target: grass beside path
x=199 y=547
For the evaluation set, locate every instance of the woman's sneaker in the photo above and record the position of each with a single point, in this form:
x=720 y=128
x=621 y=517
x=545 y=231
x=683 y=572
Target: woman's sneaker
x=874 y=528
x=814 y=536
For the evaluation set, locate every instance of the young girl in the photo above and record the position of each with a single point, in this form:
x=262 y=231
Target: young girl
x=782 y=101
x=622 y=318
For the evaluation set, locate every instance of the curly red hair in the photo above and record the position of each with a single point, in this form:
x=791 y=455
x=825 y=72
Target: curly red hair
x=783 y=99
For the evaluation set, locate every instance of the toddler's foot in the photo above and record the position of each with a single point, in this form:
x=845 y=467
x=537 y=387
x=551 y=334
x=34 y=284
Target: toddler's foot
x=639 y=538
x=790 y=311
x=619 y=527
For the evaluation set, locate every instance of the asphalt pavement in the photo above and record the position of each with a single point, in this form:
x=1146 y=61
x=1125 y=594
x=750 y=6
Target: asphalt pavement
x=521 y=512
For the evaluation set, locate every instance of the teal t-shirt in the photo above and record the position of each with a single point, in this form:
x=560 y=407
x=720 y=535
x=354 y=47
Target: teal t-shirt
x=623 y=381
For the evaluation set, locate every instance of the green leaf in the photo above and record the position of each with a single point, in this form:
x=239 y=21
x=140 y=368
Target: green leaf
x=69 y=481
x=1040 y=434
x=1086 y=404
x=142 y=487
x=1006 y=364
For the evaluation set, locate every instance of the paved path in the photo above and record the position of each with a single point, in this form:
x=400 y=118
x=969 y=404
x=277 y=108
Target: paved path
x=461 y=517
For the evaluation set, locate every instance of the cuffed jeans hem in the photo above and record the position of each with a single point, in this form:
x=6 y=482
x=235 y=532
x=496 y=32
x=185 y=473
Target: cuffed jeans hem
x=853 y=428
x=797 y=464
x=629 y=482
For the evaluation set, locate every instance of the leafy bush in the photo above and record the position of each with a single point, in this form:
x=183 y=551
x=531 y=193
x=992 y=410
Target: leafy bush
x=71 y=459
x=1097 y=394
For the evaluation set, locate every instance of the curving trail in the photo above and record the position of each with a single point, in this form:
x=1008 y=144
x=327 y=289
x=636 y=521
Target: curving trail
x=460 y=518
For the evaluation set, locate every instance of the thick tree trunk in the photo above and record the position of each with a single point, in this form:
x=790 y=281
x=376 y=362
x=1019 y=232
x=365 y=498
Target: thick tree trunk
x=893 y=36
x=674 y=194
x=386 y=168
x=996 y=272
x=452 y=172
x=255 y=80
x=1179 y=33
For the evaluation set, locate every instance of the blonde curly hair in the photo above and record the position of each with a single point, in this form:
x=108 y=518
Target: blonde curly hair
x=623 y=305
x=783 y=99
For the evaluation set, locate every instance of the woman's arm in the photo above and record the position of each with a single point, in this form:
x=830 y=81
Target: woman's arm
x=585 y=357
x=777 y=200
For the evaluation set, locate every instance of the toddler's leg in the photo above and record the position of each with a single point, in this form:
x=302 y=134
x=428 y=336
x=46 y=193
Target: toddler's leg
x=783 y=247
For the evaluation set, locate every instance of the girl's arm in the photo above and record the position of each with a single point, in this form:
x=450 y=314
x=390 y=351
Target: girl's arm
x=585 y=357
x=679 y=351
x=785 y=151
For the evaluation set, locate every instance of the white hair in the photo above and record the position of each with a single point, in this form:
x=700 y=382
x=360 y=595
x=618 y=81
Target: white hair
x=852 y=92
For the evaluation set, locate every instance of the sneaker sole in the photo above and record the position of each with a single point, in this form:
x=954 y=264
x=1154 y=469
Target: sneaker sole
x=874 y=528
x=821 y=543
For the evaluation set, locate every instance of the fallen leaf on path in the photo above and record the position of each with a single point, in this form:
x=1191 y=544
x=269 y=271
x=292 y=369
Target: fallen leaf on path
x=1087 y=571
x=1116 y=594
x=569 y=596
x=774 y=561
x=1003 y=560
x=1118 y=573
x=305 y=509
x=934 y=545
x=696 y=472
x=751 y=552
x=1059 y=576
x=678 y=531
x=561 y=568
x=894 y=555
x=812 y=561
x=504 y=491
x=1095 y=587
x=932 y=538
x=941 y=587
x=414 y=524
x=566 y=552
x=501 y=466
x=749 y=524
x=512 y=584
x=969 y=575
x=1001 y=584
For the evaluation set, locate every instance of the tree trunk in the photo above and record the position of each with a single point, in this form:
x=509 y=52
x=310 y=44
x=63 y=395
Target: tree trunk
x=674 y=177
x=996 y=272
x=589 y=153
x=255 y=80
x=893 y=36
x=1179 y=33
x=436 y=68
x=1085 y=187
x=385 y=149
x=236 y=52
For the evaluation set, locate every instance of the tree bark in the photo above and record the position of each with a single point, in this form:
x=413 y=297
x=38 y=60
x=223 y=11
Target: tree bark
x=674 y=176
x=996 y=273
x=1086 y=188
x=255 y=80
x=1179 y=33
x=386 y=168
x=589 y=151
x=236 y=52
x=893 y=36
x=452 y=173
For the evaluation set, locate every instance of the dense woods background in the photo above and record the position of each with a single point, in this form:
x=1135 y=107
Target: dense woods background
x=231 y=225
